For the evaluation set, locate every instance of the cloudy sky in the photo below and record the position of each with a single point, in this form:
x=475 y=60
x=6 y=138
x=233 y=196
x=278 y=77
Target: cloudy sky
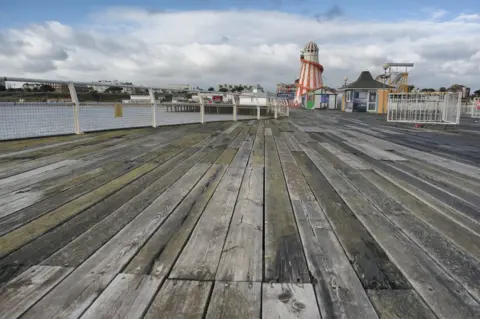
x=209 y=42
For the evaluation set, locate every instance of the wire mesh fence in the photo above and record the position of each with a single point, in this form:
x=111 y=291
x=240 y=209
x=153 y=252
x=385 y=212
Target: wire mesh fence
x=424 y=108
x=24 y=119
x=108 y=116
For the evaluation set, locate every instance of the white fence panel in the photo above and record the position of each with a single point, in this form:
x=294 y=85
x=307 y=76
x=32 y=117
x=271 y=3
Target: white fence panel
x=424 y=108
x=476 y=108
x=30 y=119
x=101 y=116
x=177 y=113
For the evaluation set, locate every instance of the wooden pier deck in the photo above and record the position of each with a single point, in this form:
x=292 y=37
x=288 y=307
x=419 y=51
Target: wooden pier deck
x=320 y=215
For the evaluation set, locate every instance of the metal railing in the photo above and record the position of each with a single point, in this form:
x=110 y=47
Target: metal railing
x=32 y=119
x=424 y=108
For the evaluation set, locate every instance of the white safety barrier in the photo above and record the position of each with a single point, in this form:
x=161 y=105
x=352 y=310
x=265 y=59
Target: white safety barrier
x=476 y=108
x=69 y=115
x=424 y=108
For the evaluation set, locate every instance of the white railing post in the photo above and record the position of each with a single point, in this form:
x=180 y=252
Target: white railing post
x=275 y=110
x=202 y=108
x=154 y=107
x=258 y=107
x=76 y=107
x=459 y=105
x=444 y=113
x=234 y=107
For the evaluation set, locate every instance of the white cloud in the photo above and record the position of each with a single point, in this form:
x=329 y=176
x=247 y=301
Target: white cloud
x=208 y=48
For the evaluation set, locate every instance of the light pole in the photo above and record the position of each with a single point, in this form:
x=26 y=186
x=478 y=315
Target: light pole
x=345 y=79
x=385 y=68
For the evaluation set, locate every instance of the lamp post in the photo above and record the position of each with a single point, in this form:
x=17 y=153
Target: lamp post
x=385 y=68
x=345 y=79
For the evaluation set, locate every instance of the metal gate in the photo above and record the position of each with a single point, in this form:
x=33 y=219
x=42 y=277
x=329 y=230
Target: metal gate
x=424 y=108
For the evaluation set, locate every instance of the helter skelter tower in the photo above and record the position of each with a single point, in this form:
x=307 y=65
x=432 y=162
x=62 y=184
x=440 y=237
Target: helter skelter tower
x=310 y=71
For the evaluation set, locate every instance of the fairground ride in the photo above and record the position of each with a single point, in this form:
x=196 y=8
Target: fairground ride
x=395 y=77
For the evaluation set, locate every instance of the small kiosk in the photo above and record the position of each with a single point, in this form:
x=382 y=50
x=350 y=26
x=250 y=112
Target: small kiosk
x=365 y=95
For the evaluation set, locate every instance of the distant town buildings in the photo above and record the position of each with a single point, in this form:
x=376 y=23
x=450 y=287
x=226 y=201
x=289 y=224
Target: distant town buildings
x=246 y=87
x=103 y=85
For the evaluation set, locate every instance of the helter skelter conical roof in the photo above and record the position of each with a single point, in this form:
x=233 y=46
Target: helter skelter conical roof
x=311 y=47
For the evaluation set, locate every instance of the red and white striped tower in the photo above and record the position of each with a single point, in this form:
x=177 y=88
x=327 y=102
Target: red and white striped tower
x=310 y=72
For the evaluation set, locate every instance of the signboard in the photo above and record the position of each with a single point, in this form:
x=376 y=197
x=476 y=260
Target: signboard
x=118 y=110
x=288 y=96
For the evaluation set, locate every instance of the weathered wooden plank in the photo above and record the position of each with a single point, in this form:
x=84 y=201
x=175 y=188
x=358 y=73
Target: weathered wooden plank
x=23 y=216
x=235 y=300
x=288 y=300
x=465 y=169
x=232 y=127
x=339 y=291
x=200 y=257
x=445 y=296
x=471 y=197
x=275 y=131
x=9 y=184
x=461 y=236
x=268 y=131
x=284 y=258
x=297 y=187
x=15 y=169
x=161 y=250
x=238 y=141
x=34 y=193
x=79 y=250
x=328 y=265
x=374 y=152
x=440 y=201
x=22 y=146
x=370 y=262
x=24 y=234
x=257 y=157
x=127 y=297
x=399 y=304
x=180 y=299
x=241 y=258
x=291 y=141
x=47 y=244
x=348 y=158
x=76 y=293
x=24 y=291
x=461 y=266
x=446 y=176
